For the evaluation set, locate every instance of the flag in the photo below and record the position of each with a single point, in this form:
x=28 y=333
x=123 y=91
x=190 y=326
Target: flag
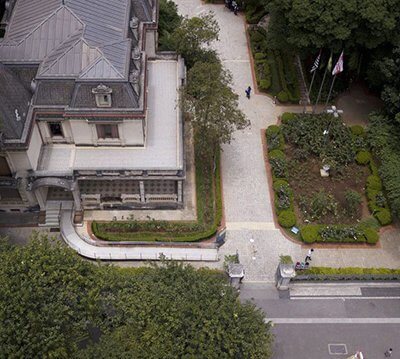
x=316 y=63
x=339 y=66
x=330 y=63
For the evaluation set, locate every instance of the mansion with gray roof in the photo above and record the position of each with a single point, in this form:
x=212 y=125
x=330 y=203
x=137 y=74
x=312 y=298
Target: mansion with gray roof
x=89 y=110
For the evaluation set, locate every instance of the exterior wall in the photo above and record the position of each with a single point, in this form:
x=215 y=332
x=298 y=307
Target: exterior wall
x=35 y=146
x=84 y=133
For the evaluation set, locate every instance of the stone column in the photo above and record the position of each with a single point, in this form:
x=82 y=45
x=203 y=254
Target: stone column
x=285 y=273
x=40 y=198
x=180 y=191
x=141 y=187
x=77 y=197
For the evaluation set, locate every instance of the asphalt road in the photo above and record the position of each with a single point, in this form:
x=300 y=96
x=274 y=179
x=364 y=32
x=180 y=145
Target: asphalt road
x=331 y=326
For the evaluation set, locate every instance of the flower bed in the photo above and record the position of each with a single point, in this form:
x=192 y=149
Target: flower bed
x=324 y=209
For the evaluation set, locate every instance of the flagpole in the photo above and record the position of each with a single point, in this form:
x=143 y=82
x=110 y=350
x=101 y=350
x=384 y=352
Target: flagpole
x=320 y=89
x=312 y=79
x=330 y=91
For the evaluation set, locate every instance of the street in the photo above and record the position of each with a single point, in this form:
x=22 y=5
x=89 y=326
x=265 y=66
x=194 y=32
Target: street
x=330 y=326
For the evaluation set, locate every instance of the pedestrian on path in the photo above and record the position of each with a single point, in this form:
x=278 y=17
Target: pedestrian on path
x=248 y=91
x=388 y=353
x=309 y=253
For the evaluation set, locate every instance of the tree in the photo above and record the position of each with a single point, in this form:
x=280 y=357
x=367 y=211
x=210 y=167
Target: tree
x=168 y=21
x=212 y=106
x=46 y=296
x=50 y=297
x=311 y=25
x=192 y=35
x=175 y=311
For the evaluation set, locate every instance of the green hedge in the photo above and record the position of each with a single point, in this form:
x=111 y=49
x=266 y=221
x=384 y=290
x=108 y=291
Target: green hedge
x=287 y=218
x=347 y=273
x=287 y=116
x=311 y=233
x=357 y=130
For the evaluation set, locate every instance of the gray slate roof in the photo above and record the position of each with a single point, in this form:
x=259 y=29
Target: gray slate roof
x=14 y=97
x=71 y=38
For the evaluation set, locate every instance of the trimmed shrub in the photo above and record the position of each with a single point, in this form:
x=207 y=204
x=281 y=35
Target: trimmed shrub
x=309 y=233
x=357 y=130
x=275 y=138
x=259 y=56
x=287 y=116
x=373 y=167
x=363 y=157
x=280 y=183
x=273 y=129
x=371 y=194
x=276 y=154
x=371 y=235
x=283 y=96
x=256 y=36
x=265 y=84
x=279 y=167
x=287 y=219
x=383 y=216
x=266 y=69
x=374 y=183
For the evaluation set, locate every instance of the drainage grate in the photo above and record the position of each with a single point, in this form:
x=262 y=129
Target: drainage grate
x=337 y=349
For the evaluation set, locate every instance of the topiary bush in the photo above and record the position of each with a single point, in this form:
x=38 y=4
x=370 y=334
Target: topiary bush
x=283 y=97
x=287 y=219
x=259 y=56
x=363 y=157
x=357 y=130
x=280 y=183
x=275 y=138
x=374 y=183
x=287 y=116
x=309 y=233
x=383 y=216
x=278 y=167
x=371 y=235
x=265 y=84
x=276 y=154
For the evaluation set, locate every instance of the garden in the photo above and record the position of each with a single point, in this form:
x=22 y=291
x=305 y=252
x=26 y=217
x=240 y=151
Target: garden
x=274 y=69
x=209 y=214
x=326 y=181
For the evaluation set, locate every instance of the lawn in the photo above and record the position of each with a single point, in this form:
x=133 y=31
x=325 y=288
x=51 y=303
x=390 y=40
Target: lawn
x=334 y=208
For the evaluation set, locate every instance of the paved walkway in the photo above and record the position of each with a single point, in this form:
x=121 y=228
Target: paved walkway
x=88 y=248
x=248 y=208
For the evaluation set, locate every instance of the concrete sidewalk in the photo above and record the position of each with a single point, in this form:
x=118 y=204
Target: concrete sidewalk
x=88 y=248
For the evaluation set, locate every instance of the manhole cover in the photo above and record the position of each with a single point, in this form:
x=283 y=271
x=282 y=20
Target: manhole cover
x=337 y=349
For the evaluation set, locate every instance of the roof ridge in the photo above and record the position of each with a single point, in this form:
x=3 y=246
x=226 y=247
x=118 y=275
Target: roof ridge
x=46 y=67
x=46 y=19
x=90 y=66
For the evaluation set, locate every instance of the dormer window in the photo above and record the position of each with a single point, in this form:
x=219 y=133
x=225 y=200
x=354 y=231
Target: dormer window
x=102 y=95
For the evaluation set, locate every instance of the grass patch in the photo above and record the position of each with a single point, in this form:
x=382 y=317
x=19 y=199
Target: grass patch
x=209 y=214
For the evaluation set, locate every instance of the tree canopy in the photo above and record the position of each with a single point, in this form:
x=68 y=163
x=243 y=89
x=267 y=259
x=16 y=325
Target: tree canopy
x=50 y=298
x=190 y=38
x=212 y=106
x=311 y=25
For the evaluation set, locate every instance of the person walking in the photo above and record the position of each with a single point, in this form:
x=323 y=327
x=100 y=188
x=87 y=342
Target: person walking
x=248 y=92
x=388 y=353
x=309 y=253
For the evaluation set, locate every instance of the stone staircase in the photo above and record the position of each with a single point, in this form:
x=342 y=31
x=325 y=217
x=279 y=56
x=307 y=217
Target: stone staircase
x=53 y=209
